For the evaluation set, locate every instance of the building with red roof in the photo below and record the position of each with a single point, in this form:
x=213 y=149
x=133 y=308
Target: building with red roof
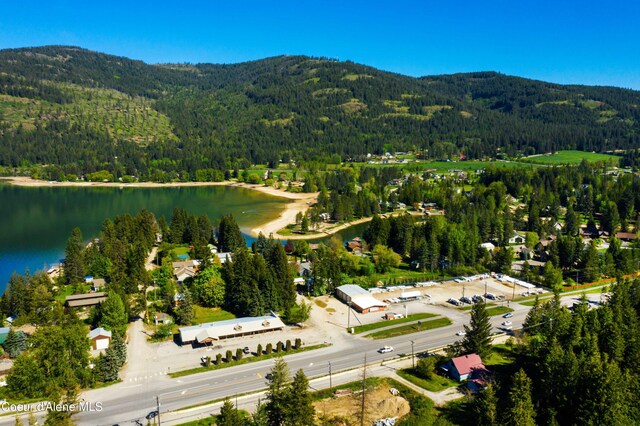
x=465 y=367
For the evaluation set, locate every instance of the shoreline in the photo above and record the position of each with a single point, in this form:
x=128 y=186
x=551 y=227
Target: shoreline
x=299 y=201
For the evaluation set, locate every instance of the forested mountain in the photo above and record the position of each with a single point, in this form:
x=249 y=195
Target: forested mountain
x=79 y=110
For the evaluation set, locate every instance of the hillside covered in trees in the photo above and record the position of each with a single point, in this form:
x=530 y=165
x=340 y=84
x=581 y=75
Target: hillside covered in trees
x=84 y=111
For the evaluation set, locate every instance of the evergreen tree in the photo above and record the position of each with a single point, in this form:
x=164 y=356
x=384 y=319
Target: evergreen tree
x=108 y=365
x=184 y=313
x=73 y=271
x=120 y=349
x=520 y=410
x=209 y=287
x=228 y=415
x=15 y=343
x=278 y=394
x=113 y=314
x=486 y=406
x=299 y=410
x=478 y=334
x=229 y=236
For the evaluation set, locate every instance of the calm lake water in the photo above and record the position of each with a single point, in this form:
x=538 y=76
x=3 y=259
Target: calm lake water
x=36 y=222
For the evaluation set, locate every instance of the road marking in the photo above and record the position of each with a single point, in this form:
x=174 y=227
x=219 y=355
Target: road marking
x=129 y=387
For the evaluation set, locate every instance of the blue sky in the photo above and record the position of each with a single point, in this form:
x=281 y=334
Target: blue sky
x=564 y=41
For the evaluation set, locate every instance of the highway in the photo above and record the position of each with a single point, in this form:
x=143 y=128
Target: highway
x=126 y=402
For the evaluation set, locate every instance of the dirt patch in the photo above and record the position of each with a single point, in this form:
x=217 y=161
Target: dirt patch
x=320 y=303
x=379 y=403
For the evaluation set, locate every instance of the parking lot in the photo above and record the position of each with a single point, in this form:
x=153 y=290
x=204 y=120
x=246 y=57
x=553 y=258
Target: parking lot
x=439 y=293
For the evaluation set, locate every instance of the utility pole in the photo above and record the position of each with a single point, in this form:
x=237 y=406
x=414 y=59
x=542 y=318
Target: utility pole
x=406 y=312
x=158 y=408
x=485 y=288
x=330 y=377
x=514 y=292
x=349 y=317
x=413 y=361
x=364 y=379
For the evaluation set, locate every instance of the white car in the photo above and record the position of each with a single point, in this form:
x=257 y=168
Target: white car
x=507 y=315
x=461 y=333
x=385 y=349
x=506 y=323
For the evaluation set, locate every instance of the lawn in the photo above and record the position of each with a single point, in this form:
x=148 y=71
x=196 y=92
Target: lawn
x=246 y=360
x=500 y=355
x=435 y=384
x=498 y=310
x=410 y=328
x=570 y=157
x=202 y=314
x=376 y=325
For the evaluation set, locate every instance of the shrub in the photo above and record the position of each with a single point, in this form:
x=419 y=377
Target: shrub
x=238 y=354
x=207 y=361
x=259 y=350
x=218 y=359
x=298 y=343
x=269 y=348
x=288 y=347
x=229 y=356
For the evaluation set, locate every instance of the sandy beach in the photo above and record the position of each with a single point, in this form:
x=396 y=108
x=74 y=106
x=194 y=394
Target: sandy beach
x=300 y=202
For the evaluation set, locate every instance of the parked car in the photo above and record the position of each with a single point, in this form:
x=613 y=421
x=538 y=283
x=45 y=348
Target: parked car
x=385 y=349
x=246 y=350
x=507 y=315
x=461 y=333
x=152 y=415
x=507 y=323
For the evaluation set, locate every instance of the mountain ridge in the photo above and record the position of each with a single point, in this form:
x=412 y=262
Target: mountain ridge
x=179 y=118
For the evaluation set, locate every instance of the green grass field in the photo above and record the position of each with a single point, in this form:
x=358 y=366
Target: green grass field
x=435 y=384
x=570 y=157
x=376 y=325
x=210 y=314
x=498 y=310
x=443 y=166
x=410 y=328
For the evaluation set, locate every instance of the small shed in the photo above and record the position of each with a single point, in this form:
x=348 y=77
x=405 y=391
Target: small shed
x=100 y=338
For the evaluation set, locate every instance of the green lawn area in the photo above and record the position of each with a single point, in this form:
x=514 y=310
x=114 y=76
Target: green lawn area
x=375 y=325
x=246 y=360
x=500 y=355
x=435 y=384
x=571 y=157
x=410 y=328
x=202 y=314
x=498 y=310
x=180 y=250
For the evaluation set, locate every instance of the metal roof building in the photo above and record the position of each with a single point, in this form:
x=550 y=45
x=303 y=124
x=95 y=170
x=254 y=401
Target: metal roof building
x=208 y=332
x=359 y=298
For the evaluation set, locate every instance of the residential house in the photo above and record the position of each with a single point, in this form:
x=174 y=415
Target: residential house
x=98 y=284
x=354 y=245
x=626 y=236
x=184 y=273
x=162 y=318
x=488 y=246
x=516 y=238
x=465 y=367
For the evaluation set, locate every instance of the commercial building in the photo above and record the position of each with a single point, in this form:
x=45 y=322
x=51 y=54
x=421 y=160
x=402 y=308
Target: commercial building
x=237 y=327
x=82 y=300
x=359 y=299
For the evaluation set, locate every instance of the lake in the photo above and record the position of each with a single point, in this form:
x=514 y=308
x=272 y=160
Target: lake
x=36 y=222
